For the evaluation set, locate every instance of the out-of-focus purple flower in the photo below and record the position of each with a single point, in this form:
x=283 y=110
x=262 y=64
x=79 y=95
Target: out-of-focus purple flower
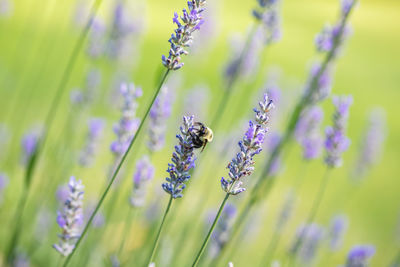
x=347 y=5
x=272 y=141
x=96 y=40
x=142 y=176
x=372 y=143
x=71 y=218
x=308 y=134
x=44 y=221
x=6 y=8
x=21 y=260
x=221 y=234
x=191 y=20
x=337 y=231
x=182 y=160
x=87 y=154
x=123 y=27
x=29 y=145
x=336 y=141
x=359 y=255
x=62 y=193
x=3 y=184
x=126 y=128
x=159 y=114
x=251 y=144
x=267 y=13
x=322 y=87
x=77 y=97
x=311 y=236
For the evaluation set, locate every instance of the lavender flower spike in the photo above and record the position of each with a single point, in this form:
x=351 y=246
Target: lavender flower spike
x=128 y=124
x=307 y=132
x=267 y=13
x=159 y=114
x=89 y=151
x=182 y=161
x=3 y=183
x=144 y=173
x=182 y=38
x=336 y=141
x=337 y=230
x=71 y=218
x=311 y=236
x=243 y=165
x=359 y=255
x=29 y=145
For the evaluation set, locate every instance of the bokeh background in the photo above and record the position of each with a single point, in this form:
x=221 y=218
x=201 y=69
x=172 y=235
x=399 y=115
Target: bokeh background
x=37 y=38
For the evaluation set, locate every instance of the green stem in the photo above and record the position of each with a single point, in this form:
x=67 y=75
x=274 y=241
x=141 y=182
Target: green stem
x=396 y=260
x=203 y=246
x=17 y=221
x=157 y=241
x=116 y=171
x=311 y=216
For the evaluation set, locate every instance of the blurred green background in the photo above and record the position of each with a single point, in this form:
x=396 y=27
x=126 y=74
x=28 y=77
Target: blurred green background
x=37 y=40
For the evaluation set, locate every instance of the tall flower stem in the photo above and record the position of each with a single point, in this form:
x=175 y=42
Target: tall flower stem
x=116 y=171
x=311 y=216
x=157 y=240
x=264 y=180
x=17 y=221
x=203 y=246
x=55 y=103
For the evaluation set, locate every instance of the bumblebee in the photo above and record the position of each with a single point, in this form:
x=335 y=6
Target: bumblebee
x=201 y=135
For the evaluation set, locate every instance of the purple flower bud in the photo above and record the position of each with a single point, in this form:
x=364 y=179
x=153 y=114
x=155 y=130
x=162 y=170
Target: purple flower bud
x=182 y=161
x=268 y=14
x=359 y=255
x=338 y=227
x=29 y=145
x=251 y=144
x=88 y=153
x=307 y=132
x=126 y=128
x=71 y=218
x=311 y=236
x=159 y=114
x=182 y=38
x=336 y=141
x=144 y=173
x=371 y=144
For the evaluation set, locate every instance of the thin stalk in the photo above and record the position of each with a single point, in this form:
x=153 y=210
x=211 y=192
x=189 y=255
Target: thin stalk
x=114 y=176
x=17 y=221
x=157 y=241
x=203 y=246
x=63 y=82
x=256 y=191
x=396 y=260
x=311 y=216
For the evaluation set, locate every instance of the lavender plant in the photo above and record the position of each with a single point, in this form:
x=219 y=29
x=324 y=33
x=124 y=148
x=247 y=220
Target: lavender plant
x=311 y=236
x=159 y=115
x=128 y=124
x=313 y=87
x=371 y=144
x=360 y=255
x=178 y=41
x=337 y=231
x=242 y=165
x=3 y=185
x=90 y=148
x=183 y=160
x=191 y=20
x=70 y=219
x=144 y=173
